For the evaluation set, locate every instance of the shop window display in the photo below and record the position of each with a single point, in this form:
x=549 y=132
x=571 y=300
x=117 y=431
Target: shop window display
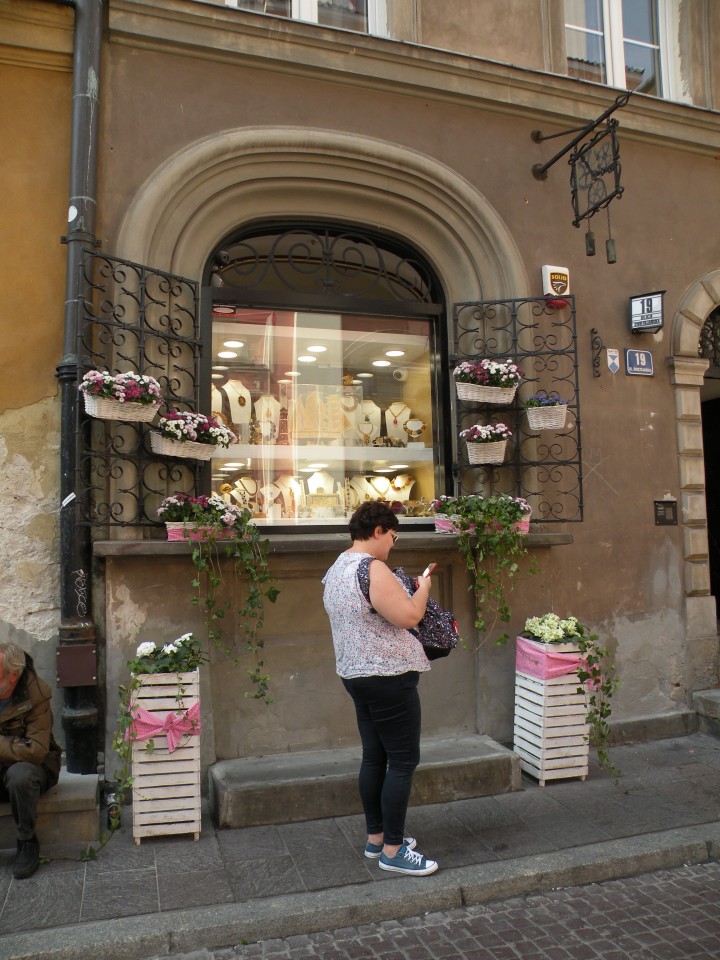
x=329 y=410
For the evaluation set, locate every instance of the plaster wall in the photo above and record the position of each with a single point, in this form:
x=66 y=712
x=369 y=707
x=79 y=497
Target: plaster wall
x=310 y=709
x=622 y=574
x=35 y=89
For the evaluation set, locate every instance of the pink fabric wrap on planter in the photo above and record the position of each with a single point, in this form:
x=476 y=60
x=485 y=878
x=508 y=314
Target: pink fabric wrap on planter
x=544 y=664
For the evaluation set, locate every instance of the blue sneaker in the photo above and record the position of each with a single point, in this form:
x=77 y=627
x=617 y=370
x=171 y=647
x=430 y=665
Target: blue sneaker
x=408 y=861
x=373 y=850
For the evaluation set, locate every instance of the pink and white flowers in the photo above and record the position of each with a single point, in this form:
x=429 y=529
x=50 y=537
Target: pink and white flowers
x=489 y=433
x=488 y=373
x=196 y=427
x=203 y=511
x=122 y=387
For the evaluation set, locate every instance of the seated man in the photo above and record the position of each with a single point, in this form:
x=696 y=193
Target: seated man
x=29 y=756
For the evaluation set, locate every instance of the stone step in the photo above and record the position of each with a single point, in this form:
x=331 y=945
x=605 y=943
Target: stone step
x=69 y=812
x=313 y=785
x=707 y=704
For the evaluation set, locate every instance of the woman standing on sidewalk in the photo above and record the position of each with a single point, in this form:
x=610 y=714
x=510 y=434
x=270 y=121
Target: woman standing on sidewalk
x=380 y=663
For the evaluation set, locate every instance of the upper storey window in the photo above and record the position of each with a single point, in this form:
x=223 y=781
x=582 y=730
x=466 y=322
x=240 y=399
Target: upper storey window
x=629 y=44
x=362 y=16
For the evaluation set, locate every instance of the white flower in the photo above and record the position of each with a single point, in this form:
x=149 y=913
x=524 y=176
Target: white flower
x=146 y=649
x=169 y=648
x=183 y=639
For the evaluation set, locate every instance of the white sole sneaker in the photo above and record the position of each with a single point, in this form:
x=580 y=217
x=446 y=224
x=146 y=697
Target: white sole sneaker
x=408 y=862
x=374 y=850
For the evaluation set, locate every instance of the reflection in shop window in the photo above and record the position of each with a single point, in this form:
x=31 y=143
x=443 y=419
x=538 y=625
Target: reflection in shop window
x=330 y=410
x=617 y=42
x=361 y=16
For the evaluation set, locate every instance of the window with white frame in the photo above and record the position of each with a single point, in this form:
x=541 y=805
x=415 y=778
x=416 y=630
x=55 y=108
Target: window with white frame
x=361 y=16
x=630 y=44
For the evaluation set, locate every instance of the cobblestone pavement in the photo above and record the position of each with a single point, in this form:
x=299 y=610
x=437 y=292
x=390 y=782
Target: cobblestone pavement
x=666 y=915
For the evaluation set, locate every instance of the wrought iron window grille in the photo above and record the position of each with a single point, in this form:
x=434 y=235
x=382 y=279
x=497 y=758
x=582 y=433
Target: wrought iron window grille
x=546 y=467
x=136 y=319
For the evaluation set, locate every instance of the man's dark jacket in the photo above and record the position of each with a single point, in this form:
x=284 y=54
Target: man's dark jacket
x=26 y=725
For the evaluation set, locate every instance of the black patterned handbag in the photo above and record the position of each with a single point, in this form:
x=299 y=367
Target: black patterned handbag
x=437 y=631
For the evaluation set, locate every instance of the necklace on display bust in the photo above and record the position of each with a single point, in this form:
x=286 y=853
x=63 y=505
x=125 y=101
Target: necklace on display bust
x=380 y=485
x=413 y=428
x=401 y=481
x=395 y=409
x=349 y=406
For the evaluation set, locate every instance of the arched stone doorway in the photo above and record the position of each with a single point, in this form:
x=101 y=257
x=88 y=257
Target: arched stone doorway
x=688 y=370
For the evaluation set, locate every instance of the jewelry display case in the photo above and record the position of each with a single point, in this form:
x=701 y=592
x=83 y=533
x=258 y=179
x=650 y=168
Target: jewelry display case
x=329 y=411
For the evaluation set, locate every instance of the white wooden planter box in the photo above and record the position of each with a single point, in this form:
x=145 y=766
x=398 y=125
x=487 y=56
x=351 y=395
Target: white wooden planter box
x=166 y=786
x=550 y=732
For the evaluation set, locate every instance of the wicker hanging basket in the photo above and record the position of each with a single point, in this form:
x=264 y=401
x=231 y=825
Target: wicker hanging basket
x=547 y=418
x=103 y=408
x=187 y=449
x=487 y=452
x=483 y=394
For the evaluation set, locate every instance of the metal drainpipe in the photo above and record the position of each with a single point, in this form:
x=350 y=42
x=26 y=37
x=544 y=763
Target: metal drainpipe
x=77 y=658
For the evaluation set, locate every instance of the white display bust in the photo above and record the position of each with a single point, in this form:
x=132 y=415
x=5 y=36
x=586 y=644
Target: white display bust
x=267 y=414
x=368 y=421
x=395 y=416
x=321 y=482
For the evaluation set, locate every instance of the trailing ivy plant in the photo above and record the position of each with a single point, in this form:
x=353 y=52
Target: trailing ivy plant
x=251 y=586
x=222 y=531
x=492 y=544
x=597 y=675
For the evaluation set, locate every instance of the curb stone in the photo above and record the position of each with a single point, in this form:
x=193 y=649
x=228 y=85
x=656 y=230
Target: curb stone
x=204 y=928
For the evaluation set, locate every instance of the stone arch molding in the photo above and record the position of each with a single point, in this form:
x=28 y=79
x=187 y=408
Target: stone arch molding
x=687 y=373
x=216 y=184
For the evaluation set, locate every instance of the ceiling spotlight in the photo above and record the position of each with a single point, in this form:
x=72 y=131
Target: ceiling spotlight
x=394 y=353
x=381 y=363
x=366 y=375
x=227 y=354
x=307 y=359
x=292 y=373
x=236 y=343
x=317 y=349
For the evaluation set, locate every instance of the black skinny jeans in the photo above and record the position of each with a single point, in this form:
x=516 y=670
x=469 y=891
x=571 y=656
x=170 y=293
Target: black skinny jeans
x=388 y=718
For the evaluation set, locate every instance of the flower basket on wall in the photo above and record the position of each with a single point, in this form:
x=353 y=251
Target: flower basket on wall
x=103 y=409
x=166 y=778
x=188 y=449
x=131 y=397
x=193 y=531
x=547 y=418
x=483 y=394
x=487 y=452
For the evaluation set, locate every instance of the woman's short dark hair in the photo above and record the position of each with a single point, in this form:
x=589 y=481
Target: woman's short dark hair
x=370 y=515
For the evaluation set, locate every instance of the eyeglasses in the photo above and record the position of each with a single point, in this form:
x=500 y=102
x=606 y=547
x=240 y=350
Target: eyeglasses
x=395 y=536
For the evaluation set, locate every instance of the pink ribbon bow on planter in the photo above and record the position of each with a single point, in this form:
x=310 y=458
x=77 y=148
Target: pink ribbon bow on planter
x=175 y=726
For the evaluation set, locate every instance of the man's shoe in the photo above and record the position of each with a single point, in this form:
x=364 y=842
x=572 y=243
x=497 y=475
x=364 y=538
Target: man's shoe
x=409 y=862
x=373 y=850
x=27 y=860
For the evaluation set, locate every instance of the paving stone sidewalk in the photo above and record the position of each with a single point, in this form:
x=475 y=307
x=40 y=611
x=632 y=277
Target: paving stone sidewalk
x=300 y=877
x=665 y=915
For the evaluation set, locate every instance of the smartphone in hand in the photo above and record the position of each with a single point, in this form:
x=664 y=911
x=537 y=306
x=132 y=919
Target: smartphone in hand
x=429 y=570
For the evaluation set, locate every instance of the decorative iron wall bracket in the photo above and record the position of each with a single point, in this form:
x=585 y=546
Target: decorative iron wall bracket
x=540 y=170
x=597 y=346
